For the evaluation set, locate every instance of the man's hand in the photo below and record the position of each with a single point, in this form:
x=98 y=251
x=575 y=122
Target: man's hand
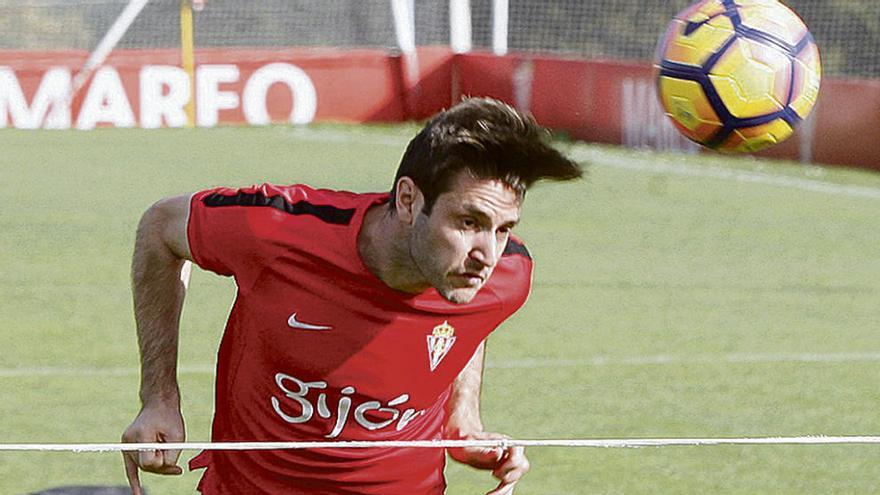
x=508 y=465
x=155 y=423
x=463 y=423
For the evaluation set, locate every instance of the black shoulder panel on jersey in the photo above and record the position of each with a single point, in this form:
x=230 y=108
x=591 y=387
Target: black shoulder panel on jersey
x=326 y=213
x=514 y=247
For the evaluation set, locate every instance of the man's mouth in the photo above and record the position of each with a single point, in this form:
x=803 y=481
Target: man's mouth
x=473 y=278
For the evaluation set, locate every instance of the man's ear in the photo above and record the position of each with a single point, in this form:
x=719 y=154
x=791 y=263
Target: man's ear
x=409 y=201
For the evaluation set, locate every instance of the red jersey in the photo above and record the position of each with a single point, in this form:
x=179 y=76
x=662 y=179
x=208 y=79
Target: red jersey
x=318 y=348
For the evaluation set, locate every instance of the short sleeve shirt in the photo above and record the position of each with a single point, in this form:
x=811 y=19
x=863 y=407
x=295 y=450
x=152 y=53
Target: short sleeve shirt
x=316 y=347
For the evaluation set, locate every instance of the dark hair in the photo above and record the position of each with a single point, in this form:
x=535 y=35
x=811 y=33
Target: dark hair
x=488 y=139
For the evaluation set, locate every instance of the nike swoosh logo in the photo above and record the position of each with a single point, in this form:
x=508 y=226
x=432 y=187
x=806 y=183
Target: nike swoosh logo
x=294 y=323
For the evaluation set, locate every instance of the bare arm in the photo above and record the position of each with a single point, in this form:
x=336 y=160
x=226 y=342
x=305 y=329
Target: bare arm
x=463 y=409
x=463 y=421
x=161 y=247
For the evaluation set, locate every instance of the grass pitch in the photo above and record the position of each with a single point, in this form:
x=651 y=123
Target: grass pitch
x=674 y=295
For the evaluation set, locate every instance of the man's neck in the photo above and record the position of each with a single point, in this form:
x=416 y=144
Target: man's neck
x=384 y=249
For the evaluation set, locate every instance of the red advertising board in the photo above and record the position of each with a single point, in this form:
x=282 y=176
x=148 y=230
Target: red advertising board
x=147 y=88
x=602 y=101
x=615 y=102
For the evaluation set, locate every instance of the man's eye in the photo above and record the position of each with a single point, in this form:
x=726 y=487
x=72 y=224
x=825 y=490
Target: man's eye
x=468 y=223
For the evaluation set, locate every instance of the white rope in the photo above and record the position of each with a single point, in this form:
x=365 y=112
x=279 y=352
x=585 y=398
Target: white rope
x=500 y=443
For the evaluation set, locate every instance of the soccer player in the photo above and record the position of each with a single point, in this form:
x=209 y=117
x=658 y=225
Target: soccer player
x=357 y=316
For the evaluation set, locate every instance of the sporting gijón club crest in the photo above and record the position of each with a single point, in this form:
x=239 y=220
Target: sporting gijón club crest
x=439 y=343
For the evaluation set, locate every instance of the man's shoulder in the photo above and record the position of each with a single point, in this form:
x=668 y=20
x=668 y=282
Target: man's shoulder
x=516 y=247
x=512 y=279
x=335 y=207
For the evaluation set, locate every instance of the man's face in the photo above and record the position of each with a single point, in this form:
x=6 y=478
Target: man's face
x=457 y=246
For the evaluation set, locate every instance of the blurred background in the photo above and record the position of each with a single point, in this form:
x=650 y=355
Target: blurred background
x=847 y=31
x=582 y=68
x=677 y=292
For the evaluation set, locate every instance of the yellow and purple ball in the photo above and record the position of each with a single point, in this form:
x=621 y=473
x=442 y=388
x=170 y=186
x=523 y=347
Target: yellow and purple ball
x=737 y=75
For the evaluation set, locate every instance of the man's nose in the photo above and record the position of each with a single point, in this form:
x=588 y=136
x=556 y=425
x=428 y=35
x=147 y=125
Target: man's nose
x=485 y=249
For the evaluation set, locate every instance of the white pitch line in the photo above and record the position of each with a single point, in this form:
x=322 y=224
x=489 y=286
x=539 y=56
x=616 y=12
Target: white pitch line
x=601 y=158
x=669 y=359
x=434 y=444
x=68 y=371
x=355 y=137
x=523 y=363
x=730 y=174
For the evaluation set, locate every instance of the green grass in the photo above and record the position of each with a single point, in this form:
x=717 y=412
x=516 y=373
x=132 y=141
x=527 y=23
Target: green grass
x=630 y=264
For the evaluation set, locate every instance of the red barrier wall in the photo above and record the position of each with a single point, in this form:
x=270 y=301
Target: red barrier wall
x=847 y=125
x=602 y=101
x=614 y=102
x=147 y=88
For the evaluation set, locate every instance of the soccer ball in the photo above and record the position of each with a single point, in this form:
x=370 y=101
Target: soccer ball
x=737 y=75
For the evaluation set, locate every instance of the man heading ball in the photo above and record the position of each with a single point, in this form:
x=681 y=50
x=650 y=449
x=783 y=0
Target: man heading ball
x=357 y=316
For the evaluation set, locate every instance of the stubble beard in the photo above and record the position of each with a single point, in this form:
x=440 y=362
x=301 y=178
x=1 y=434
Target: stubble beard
x=459 y=295
x=439 y=280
